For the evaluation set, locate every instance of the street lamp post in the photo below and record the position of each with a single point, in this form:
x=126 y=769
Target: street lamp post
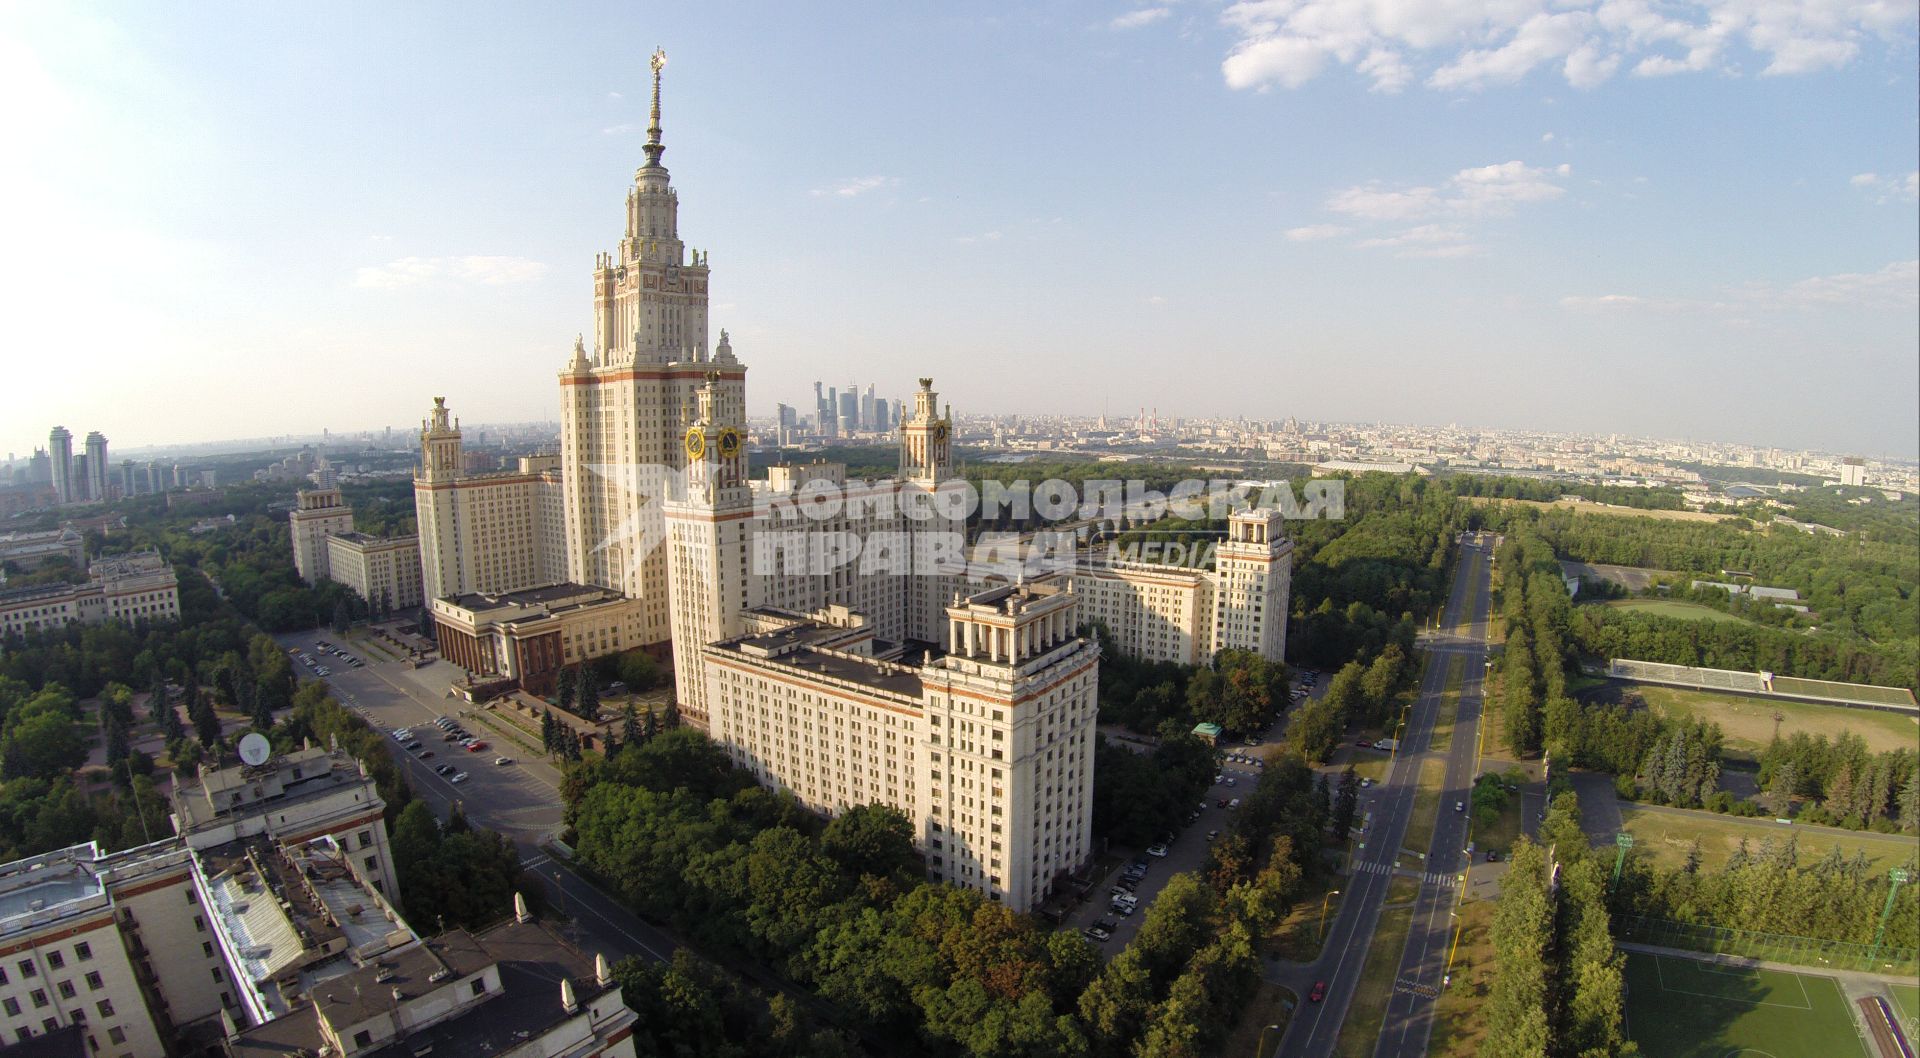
x=1322 y=934
x=1260 y=1049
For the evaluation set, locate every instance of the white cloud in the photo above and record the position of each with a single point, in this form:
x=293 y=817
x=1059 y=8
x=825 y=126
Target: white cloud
x=620 y=129
x=1146 y=16
x=1897 y=286
x=1469 y=44
x=1156 y=299
x=1482 y=191
x=1424 y=235
x=970 y=240
x=855 y=186
x=484 y=270
x=1887 y=189
x=1315 y=232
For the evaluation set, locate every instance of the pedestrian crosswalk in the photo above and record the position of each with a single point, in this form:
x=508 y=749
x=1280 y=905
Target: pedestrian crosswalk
x=1436 y=879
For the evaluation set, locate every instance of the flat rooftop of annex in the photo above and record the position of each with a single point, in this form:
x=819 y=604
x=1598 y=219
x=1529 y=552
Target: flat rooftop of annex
x=34 y=889
x=551 y=597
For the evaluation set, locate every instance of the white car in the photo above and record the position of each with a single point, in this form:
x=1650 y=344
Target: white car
x=1156 y=850
x=503 y=760
x=458 y=777
x=402 y=736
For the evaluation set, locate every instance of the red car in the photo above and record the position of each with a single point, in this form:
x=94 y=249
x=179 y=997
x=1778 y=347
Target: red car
x=1319 y=992
x=475 y=747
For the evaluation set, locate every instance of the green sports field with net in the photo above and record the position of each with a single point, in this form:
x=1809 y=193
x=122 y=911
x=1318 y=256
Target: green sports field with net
x=1684 y=1008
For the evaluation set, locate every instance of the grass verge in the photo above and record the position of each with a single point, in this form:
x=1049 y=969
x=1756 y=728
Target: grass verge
x=1458 y=1027
x=1269 y=1011
x=1298 y=937
x=1426 y=802
x=1361 y=1031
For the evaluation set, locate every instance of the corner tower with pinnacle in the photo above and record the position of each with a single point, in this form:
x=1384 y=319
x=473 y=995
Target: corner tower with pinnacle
x=627 y=401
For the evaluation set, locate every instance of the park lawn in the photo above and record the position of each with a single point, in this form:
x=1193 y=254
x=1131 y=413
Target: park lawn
x=1906 y=1000
x=1685 y=1008
x=1676 y=608
x=1426 y=802
x=1298 y=937
x=1458 y=1024
x=1442 y=738
x=1667 y=835
x=1361 y=1030
x=1748 y=723
x=1270 y=1009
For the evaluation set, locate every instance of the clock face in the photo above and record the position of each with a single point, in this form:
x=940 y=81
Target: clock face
x=940 y=432
x=696 y=443
x=729 y=442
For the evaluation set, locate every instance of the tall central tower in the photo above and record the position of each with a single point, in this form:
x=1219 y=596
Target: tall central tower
x=626 y=403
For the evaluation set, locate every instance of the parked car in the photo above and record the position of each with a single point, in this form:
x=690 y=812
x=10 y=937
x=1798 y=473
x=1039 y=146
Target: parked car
x=457 y=777
x=426 y=754
x=445 y=769
x=1231 y=781
x=1212 y=834
x=1493 y=856
x=402 y=736
x=1129 y=883
x=1319 y=992
x=415 y=744
x=1098 y=934
x=1108 y=924
x=1123 y=910
x=475 y=747
x=503 y=760
x=1221 y=803
x=1156 y=850
x=1459 y=806
x=1364 y=783
x=1233 y=805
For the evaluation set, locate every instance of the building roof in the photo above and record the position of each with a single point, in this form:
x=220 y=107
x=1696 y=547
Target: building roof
x=531 y=959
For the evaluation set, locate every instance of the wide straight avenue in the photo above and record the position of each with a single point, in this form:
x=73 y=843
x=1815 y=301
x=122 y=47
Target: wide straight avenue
x=1316 y=1027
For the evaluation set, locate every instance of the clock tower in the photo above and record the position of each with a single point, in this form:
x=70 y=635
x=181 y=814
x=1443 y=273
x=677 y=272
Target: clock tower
x=708 y=523
x=926 y=440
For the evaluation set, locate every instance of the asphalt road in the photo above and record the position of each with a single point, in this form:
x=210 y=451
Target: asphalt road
x=1316 y=1026
x=1423 y=965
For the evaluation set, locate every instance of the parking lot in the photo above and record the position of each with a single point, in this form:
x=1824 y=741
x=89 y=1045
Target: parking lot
x=521 y=799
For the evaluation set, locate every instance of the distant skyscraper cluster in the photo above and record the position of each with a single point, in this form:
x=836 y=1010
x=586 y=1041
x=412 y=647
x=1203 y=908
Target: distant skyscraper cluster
x=848 y=412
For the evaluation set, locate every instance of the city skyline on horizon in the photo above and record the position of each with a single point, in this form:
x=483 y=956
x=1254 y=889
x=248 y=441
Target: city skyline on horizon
x=1454 y=254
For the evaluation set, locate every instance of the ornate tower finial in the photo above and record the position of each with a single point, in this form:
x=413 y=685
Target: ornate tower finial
x=654 y=146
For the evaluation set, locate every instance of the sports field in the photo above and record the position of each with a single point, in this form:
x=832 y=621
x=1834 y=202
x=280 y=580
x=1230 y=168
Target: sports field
x=1684 y=1008
x=1676 y=608
x=1748 y=724
x=1667 y=835
x=1906 y=1003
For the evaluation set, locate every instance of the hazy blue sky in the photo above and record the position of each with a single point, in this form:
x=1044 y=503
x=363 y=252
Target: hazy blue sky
x=1686 y=219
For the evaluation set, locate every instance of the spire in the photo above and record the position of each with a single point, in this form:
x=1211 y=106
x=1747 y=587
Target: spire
x=654 y=146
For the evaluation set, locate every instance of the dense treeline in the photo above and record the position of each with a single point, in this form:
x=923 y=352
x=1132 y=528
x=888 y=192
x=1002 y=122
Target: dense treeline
x=1511 y=488
x=1242 y=692
x=1138 y=797
x=1358 y=694
x=1179 y=987
x=1842 y=782
x=1559 y=987
x=1607 y=632
x=1837 y=897
x=452 y=876
x=838 y=907
x=1861 y=588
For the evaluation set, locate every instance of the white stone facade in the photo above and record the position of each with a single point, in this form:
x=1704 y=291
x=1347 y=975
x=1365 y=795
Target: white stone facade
x=484 y=533
x=131 y=588
x=377 y=568
x=319 y=513
x=986 y=748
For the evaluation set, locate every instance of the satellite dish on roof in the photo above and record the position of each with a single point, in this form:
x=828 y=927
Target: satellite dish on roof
x=255 y=749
